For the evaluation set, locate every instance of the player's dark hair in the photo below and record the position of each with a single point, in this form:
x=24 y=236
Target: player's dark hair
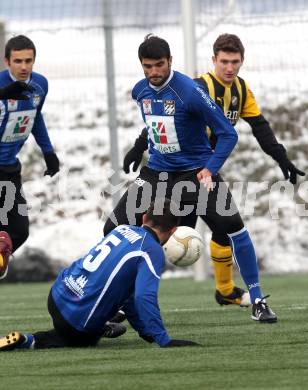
x=154 y=48
x=161 y=216
x=20 y=42
x=228 y=43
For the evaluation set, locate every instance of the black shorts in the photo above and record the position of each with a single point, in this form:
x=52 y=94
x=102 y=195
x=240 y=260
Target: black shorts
x=216 y=208
x=63 y=334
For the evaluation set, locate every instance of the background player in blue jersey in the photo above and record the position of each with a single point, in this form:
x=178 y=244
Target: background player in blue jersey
x=19 y=118
x=123 y=269
x=233 y=95
x=181 y=162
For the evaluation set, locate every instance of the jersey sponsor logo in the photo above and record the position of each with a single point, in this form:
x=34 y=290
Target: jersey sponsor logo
x=206 y=98
x=76 y=285
x=169 y=107
x=232 y=115
x=147 y=106
x=163 y=133
x=159 y=132
x=36 y=100
x=12 y=105
x=18 y=126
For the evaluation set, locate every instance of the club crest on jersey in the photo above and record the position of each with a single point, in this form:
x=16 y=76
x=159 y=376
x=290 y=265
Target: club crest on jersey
x=12 y=105
x=234 y=100
x=147 y=106
x=36 y=99
x=169 y=107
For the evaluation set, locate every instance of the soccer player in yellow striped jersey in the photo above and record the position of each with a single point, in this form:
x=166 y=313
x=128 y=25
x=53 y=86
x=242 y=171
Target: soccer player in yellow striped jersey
x=235 y=98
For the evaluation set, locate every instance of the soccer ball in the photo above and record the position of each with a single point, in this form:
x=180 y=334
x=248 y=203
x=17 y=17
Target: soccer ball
x=184 y=247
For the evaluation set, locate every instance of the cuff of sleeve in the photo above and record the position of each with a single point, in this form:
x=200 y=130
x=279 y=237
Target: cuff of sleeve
x=163 y=341
x=279 y=155
x=47 y=151
x=210 y=168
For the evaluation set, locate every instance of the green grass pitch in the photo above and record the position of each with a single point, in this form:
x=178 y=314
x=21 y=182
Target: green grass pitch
x=237 y=353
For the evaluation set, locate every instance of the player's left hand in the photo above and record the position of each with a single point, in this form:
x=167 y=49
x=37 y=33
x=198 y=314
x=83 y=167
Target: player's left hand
x=15 y=91
x=147 y=338
x=205 y=177
x=52 y=163
x=290 y=171
x=181 y=343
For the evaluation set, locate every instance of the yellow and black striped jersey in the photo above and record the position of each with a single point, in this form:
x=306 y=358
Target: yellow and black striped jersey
x=236 y=100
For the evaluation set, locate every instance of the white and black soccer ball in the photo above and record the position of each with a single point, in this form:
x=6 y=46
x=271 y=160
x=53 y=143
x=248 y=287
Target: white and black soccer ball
x=184 y=247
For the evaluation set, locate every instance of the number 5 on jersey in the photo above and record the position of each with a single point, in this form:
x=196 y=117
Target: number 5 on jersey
x=102 y=250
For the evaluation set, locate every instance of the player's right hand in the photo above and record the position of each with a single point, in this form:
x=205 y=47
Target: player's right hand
x=16 y=91
x=52 y=164
x=134 y=155
x=205 y=177
x=181 y=343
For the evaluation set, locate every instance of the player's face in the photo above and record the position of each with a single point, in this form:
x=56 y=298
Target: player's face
x=156 y=71
x=21 y=63
x=227 y=65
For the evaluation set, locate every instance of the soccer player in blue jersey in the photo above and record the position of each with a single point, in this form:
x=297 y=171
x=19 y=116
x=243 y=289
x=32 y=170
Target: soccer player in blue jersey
x=123 y=269
x=176 y=110
x=19 y=119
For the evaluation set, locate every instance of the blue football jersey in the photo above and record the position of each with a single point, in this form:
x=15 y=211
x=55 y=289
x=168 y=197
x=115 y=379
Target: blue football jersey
x=20 y=118
x=176 y=115
x=123 y=269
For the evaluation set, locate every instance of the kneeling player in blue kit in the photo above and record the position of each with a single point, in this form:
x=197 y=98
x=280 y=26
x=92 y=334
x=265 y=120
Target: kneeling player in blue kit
x=122 y=270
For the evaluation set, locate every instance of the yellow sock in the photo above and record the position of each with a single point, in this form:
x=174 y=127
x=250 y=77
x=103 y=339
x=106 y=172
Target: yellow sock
x=223 y=267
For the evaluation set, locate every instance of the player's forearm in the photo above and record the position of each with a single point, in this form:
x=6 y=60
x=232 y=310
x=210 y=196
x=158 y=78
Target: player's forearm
x=266 y=137
x=141 y=142
x=149 y=315
x=223 y=149
x=40 y=134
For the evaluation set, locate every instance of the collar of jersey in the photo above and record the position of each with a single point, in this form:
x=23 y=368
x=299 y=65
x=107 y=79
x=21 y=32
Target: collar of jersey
x=15 y=79
x=148 y=229
x=157 y=89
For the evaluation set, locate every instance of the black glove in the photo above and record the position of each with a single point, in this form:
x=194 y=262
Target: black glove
x=52 y=163
x=181 y=343
x=134 y=155
x=289 y=170
x=15 y=91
